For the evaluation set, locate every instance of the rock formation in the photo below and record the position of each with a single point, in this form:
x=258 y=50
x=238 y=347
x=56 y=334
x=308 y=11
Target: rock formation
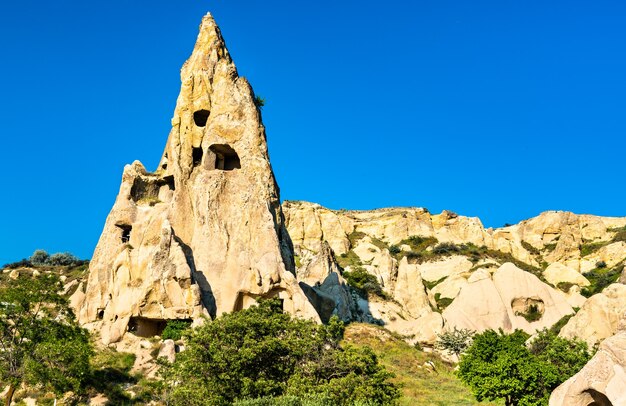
x=203 y=234
x=599 y=316
x=470 y=282
x=602 y=381
x=510 y=299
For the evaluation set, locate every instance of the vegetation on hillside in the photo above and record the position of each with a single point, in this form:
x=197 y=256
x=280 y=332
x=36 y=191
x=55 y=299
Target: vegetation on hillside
x=502 y=366
x=601 y=277
x=41 y=342
x=424 y=378
x=262 y=352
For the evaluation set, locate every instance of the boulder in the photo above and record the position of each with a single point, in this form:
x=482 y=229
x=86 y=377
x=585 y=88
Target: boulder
x=168 y=350
x=504 y=299
x=557 y=272
x=599 y=316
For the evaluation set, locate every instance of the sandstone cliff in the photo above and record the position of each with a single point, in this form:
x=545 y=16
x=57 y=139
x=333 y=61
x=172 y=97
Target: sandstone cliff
x=204 y=234
x=444 y=270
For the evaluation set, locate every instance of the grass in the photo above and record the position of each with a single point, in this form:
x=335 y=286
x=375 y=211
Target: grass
x=350 y=258
x=591 y=247
x=149 y=200
x=420 y=385
x=430 y=285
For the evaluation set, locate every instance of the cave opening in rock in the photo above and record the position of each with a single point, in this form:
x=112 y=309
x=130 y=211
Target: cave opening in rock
x=169 y=182
x=196 y=156
x=126 y=229
x=146 y=327
x=100 y=314
x=226 y=158
x=200 y=117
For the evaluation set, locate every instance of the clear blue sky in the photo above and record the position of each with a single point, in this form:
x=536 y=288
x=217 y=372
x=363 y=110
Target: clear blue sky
x=497 y=109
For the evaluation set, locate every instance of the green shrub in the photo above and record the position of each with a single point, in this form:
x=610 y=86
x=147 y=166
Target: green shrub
x=501 y=366
x=261 y=353
x=62 y=259
x=39 y=258
x=591 y=247
x=600 y=278
x=442 y=302
x=364 y=282
x=530 y=248
x=347 y=259
x=174 y=329
x=531 y=314
x=565 y=286
x=259 y=101
x=454 y=341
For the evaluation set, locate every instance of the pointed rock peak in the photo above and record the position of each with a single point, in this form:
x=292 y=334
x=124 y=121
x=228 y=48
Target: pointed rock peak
x=209 y=48
x=204 y=234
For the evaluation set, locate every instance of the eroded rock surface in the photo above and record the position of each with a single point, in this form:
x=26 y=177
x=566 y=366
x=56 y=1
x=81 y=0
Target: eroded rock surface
x=599 y=316
x=602 y=381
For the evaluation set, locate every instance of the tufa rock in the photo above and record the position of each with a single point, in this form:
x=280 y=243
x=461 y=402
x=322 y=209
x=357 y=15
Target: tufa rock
x=204 y=234
x=602 y=380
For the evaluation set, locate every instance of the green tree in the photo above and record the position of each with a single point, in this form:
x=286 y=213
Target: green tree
x=501 y=366
x=40 y=342
x=262 y=352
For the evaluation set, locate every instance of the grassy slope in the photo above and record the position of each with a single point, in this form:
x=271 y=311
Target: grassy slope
x=420 y=385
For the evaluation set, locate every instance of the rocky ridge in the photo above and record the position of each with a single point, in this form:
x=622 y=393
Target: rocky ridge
x=443 y=270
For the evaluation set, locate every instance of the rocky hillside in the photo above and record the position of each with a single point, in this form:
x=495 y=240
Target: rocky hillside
x=418 y=273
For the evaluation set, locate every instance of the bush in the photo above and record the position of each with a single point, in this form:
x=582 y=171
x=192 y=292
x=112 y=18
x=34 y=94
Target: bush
x=394 y=249
x=448 y=248
x=39 y=258
x=364 y=282
x=600 y=264
x=600 y=278
x=500 y=366
x=24 y=263
x=262 y=352
x=63 y=259
x=174 y=329
x=455 y=341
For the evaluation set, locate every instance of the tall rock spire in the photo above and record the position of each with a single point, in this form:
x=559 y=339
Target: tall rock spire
x=204 y=233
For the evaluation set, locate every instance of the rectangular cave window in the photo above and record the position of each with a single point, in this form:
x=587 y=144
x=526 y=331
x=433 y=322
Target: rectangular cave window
x=226 y=158
x=196 y=156
x=200 y=117
x=146 y=327
x=126 y=229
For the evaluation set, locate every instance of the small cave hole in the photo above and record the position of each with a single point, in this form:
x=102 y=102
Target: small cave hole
x=169 y=181
x=200 y=117
x=226 y=158
x=196 y=156
x=164 y=166
x=100 y=314
x=126 y=229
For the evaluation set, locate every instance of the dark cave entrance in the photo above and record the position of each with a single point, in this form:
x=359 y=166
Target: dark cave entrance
x=226 y=158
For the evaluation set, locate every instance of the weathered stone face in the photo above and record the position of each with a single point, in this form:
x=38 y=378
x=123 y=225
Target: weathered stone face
x=204 y=234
